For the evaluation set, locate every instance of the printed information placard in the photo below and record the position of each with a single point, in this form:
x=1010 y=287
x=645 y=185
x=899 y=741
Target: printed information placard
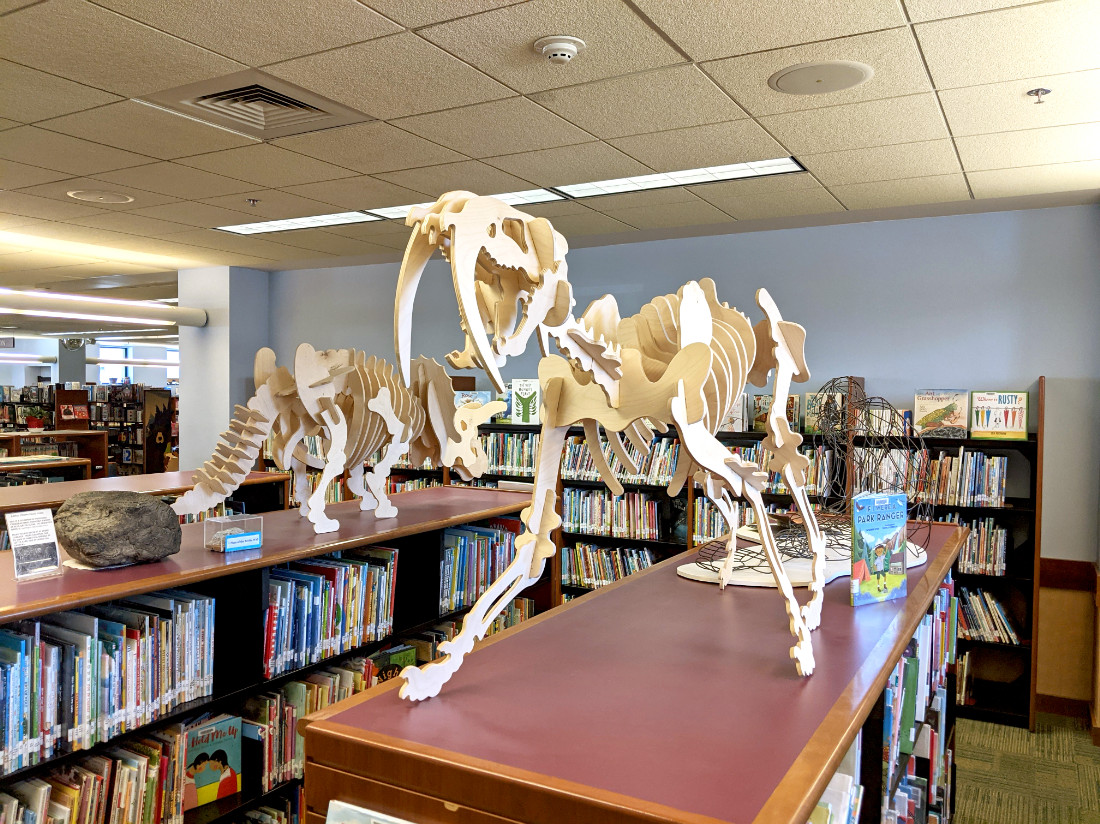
x=33 y=542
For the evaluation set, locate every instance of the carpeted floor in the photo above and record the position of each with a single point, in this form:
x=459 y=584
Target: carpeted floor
x=1006 y=775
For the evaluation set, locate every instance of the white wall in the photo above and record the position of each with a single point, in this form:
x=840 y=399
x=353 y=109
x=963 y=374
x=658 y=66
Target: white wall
x=971 y=301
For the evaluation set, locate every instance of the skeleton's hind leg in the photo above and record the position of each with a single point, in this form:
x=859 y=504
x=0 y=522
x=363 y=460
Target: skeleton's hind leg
x=334 y=467
x=811 y=612
x=374 y=495
x=533 y=547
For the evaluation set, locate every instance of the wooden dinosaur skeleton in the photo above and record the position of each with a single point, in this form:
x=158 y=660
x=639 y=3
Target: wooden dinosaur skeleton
x=684 y=359
x=358 y=407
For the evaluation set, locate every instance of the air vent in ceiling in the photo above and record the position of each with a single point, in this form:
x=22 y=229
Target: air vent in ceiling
x=256 y=104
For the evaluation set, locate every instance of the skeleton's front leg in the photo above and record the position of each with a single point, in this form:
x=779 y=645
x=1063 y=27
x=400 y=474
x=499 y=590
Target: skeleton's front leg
x=367 y=501
x=376 y=498
x=334 y=466
x=533 y=547
x=811 y=612
x=301 y=485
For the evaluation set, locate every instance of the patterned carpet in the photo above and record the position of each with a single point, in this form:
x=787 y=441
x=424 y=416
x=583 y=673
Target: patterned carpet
x=1011 y=776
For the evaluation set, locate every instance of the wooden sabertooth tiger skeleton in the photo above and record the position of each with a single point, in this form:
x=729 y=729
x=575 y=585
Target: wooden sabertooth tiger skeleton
x=683 y=359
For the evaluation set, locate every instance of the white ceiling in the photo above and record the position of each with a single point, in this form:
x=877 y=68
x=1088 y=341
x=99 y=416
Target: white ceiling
x=461 y=100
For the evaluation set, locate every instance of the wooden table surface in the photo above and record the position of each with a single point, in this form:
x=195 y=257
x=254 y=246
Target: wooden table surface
x=654 y=699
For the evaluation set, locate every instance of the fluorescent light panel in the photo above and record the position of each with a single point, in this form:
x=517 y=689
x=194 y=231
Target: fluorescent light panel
x=687 y=177
x=525 y=197
x=311 y=222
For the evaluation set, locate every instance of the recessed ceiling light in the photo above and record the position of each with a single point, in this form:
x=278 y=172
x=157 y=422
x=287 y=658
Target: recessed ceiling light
x=311 y=222
x=821 y=78
x=99 y=197
x=398 y=212
x=687 y=177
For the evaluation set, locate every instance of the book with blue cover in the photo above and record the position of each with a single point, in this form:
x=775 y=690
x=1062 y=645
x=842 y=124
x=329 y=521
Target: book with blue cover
x=878 y=547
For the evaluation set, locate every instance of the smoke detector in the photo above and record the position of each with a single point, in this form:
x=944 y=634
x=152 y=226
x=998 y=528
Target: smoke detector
x=821 y=78
x=559 y=48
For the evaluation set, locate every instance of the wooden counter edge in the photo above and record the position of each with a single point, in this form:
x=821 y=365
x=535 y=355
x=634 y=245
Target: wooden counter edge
x=797 y=793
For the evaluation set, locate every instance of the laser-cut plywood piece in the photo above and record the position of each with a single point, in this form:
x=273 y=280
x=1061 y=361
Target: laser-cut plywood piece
x=357 y=407
x=683 y=359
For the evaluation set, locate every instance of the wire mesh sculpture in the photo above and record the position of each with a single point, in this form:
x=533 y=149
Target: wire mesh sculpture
x=872 y=452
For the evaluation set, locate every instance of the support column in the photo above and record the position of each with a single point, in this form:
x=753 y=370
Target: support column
x=71 y=363
x=216 y=359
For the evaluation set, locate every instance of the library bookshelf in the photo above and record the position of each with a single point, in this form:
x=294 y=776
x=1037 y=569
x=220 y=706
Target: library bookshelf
x=74 y=468
x=239 y=584
x=83 y=443
x=609 y=710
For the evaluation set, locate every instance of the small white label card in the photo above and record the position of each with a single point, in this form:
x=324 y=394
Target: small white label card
x=33 y=542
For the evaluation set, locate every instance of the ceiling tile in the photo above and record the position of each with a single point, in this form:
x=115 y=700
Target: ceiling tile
x=21 y=223
x=634 y=200
x=1033 y=147
x=175 y=180
x=697 y=213
x=592 y=223
x=781 y=196
x=131 y=224
x=268 y=166
x=197 y=214
x=570 y=164
x=38 y=260
x=139 y=128
x=28 y=95
x=390 y=234
x=501 y=43
x=859 y=125
x=17 y=175
x=716 y=144
x=903 y=160
x=361 y=192
x=261 y=31
x=1034 y=180
x=910 y=192
x=59 y=190
x=97 y=47
x=495 y=128
x=12 y=5
x=38 y=147
x=471 y=175
x=893 y=54
x=1028 y=41
x=671 y=98
x=920 y=10
x=109 y=268
x=1006 y=107
x=272 y=204
x=369 y=148
x=8 y=124
x=18 y=203
x=315 y=240
x=413 y=13
x=391 y=77
x=723 y=28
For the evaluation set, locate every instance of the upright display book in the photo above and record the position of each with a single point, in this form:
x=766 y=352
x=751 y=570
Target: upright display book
x=465 y=396
x=941 y=413
x=999 y=416
x=878 y=548
x=213 y=760
x=762 y=404
x=526 y=397
x=817 y=403
x=738 y=418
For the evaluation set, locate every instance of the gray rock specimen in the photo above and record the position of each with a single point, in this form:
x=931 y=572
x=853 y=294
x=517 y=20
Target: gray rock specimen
x=112 y=528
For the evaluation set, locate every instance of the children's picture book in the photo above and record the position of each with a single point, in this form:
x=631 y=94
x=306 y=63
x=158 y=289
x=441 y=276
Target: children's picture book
x=941 y=413
x=878 y=547
x=816 y=404
x=737 y=419
x=463 y=397
x=526 y=397
x=213 y=760
x=999 y=416
x=762 y=404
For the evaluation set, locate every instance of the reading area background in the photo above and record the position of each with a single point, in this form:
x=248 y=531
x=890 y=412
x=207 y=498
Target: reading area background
x=976 y=301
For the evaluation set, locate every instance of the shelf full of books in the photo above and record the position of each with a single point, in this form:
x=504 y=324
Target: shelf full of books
x=180 y=706
x=590 y=566
x=599 y=513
